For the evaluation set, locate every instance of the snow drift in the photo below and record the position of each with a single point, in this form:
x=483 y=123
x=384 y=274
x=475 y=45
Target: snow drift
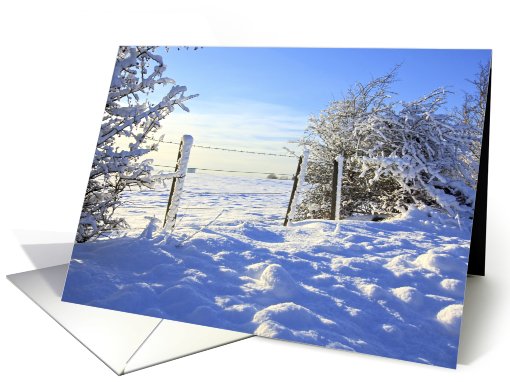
x=391 y=288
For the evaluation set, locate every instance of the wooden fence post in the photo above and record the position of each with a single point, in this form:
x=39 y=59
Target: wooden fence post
x=178 y=182
x=336 y=194
x=299 y=180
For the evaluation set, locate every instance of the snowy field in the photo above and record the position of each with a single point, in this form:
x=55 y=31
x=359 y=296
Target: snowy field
x=392 y=288
x=205 y=196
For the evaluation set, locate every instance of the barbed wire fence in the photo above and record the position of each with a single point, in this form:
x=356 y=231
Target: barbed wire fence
x=228 y=149
x=180 y=170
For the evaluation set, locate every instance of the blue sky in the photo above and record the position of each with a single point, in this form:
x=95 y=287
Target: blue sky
x=260 y=98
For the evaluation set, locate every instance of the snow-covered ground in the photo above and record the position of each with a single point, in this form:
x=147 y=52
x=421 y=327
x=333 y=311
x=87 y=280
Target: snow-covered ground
x=393 y=288
x=205 y=196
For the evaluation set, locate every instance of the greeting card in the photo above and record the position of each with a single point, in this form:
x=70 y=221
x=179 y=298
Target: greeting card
x=333 y=197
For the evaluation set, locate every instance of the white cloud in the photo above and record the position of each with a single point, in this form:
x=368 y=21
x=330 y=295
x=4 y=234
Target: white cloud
x=243 y=124
x=238 y=124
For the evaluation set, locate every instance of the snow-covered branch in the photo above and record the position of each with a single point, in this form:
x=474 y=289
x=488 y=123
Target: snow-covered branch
x=132 y=116
x=396 y=154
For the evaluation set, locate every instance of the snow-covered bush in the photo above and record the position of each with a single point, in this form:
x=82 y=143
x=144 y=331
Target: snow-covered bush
x=396 y=154
x=131 y=118
x=341 y=129
x=421 y=150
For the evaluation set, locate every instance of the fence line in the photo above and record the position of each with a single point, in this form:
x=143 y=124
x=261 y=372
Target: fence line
x=227 y=149
x=242 y=172
x=215 y=193
x=237 y=193
x=336 y=197
x=299 y=180
x=221 y=170
x=180 y=172
x=192 y=208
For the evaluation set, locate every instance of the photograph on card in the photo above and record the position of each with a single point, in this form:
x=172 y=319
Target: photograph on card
x=318 y=195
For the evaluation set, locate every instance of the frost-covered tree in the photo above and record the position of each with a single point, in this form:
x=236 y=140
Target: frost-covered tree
x=341 y=129
x=396 y=154
x=422 y=150
x=132 y=116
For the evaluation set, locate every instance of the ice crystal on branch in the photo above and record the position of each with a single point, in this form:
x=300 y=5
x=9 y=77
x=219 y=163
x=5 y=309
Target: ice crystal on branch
x=396 y=154
x=131 y=118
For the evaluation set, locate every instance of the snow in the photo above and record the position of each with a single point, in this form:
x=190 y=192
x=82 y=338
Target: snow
x=451 y=316
x=392 y=288
x=126 y=135
x=396 y=153
x=340 y=160
x=179 y=179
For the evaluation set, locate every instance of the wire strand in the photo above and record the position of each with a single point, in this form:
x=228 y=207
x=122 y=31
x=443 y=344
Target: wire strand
x=226 y=149
x=242 y=172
